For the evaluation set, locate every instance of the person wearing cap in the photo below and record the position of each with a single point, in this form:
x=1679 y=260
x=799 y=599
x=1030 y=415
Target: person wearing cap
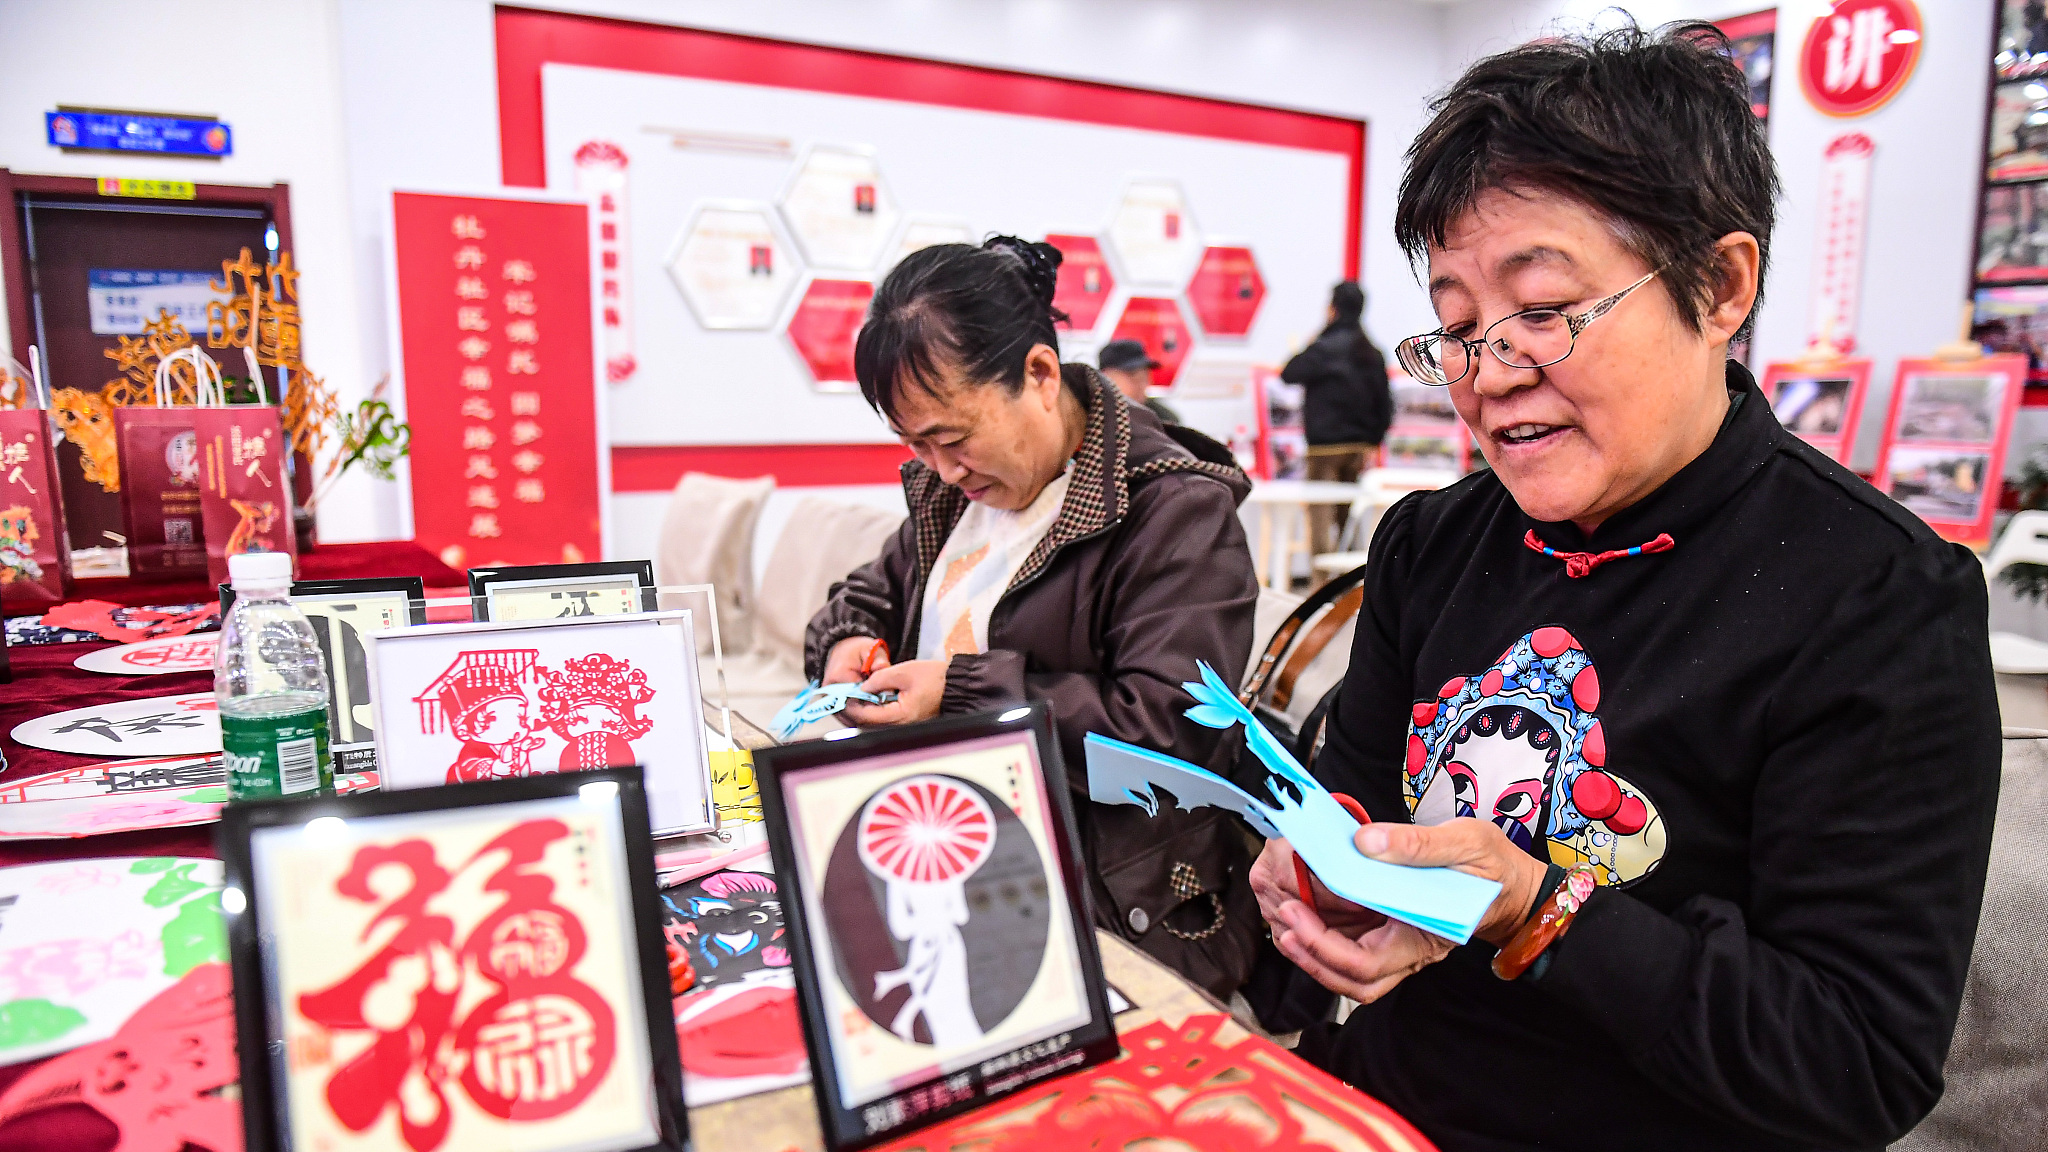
x=1126 y=364
x=482 y=700
x=1346 y=405
x=1063 y=547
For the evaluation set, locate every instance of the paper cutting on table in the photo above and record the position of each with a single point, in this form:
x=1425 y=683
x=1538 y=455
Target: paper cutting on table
x=1442 y=901
x=463 y=702
x=464 y=974
x=134 y=809
x=1182 y=1086
x=741 y=1039
x=117 y=778
x=87 y=621
x=85 y=943
x=153 y=657
x=152 y=726
x=183 y=1041
x=729 y=923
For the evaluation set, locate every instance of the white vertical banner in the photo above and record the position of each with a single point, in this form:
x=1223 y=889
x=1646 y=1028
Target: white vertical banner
x=601 y=176
x=1844 y=220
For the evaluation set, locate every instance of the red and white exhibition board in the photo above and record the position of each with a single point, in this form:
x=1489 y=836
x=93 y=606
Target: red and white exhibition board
x=493 y=318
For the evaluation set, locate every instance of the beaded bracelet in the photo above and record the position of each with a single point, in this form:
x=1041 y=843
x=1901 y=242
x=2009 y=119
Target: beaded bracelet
x=1542 y=929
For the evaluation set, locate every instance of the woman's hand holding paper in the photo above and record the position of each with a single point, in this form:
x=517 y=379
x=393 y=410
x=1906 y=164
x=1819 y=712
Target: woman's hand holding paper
x=1360 y=954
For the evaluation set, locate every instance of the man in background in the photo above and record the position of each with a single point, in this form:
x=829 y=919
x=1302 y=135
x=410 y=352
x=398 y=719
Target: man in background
x=1346 y=407
x=1126 y=364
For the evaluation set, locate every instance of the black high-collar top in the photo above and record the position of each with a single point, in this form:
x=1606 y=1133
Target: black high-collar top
x=1777 y=740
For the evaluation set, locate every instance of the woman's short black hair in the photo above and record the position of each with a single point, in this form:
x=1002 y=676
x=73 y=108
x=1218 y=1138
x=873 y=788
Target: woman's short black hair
x=979 y=311
x=1651 y=130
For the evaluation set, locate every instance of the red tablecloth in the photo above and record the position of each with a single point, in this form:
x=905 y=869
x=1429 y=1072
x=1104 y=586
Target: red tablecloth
x=327 y=562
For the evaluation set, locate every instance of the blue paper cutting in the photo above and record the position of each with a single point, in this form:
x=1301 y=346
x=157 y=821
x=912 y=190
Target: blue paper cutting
x=816 y=703
x=1442 y=901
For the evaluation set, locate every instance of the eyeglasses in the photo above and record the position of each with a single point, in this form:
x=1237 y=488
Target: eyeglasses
x=1536 y=338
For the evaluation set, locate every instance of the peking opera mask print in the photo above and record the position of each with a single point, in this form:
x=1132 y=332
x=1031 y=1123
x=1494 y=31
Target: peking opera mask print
x=1521 y=746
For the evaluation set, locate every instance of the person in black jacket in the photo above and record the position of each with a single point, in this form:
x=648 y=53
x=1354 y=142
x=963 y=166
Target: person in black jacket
x=1716 y=713
x=1346 y=407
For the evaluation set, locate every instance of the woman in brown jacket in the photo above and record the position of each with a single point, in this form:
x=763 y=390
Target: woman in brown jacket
x=1062 y=545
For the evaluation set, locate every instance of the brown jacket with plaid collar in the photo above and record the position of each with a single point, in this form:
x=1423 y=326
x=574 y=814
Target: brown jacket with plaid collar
x=1144 y=572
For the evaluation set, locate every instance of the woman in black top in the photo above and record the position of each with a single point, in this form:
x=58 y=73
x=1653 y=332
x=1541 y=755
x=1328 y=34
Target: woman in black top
x=1345 y=404
x=1662 y=640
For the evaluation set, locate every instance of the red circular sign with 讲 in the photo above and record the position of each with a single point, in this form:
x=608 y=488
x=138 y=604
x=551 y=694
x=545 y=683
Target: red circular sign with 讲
x=1859 y=55
x=824 y=326
x=1084 y=282
x=1156 y=322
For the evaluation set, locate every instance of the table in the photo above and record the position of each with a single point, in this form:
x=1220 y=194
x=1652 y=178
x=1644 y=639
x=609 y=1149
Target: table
x=327 y=562
x=1275 y=555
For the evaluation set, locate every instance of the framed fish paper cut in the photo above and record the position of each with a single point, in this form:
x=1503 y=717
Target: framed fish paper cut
x=462 y=702
x=562 y=591
x=477 y=968
x=939 y=929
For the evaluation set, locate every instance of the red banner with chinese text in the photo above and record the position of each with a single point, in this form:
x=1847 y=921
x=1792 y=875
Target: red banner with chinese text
x=496 y=346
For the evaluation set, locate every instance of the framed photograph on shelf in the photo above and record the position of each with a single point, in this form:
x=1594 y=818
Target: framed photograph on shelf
x=939 y=925
x=2019 y=132
x=1945 y=439
x=462 y=702
x=343 y=614
x=2013 y=246
x=2013 y=320
x=1820 y=404
x=562 y=591
x=528 y=909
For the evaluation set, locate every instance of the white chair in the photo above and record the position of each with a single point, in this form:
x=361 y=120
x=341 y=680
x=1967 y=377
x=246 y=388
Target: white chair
x=707 y=537
x=1379 y=490
x=820 y=543
x=2025 y=542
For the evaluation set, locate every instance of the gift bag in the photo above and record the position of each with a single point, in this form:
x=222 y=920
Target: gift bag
x=159 y=461
x=35 y=553
x=245 y=499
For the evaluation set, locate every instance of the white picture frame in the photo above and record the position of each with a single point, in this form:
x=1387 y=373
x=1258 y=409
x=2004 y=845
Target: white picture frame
x=457 y=702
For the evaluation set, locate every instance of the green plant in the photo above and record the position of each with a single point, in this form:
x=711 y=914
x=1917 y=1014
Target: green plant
x=2030 y=581
x=372 y=436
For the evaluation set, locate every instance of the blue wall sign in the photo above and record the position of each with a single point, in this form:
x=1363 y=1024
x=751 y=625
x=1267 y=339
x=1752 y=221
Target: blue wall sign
x=122 y=132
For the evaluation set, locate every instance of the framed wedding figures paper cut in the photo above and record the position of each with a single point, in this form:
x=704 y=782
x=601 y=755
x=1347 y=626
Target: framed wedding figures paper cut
x=464 y=702
x=477 y=968
x=939 y=928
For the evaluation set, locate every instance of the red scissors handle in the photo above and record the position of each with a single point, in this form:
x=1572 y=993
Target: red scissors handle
x=867 y=664
x=1302 y=876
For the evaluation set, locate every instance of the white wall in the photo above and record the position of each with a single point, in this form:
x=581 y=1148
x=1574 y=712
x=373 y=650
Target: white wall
x=166 y=55
x=1924 y=183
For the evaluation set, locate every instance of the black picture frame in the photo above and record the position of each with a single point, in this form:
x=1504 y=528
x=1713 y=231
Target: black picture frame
x=481 y=579
x=781 y=770
x=350 y=755
x=258 y=1047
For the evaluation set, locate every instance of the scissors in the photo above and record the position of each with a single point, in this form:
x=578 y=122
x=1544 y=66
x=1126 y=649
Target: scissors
x=1302 y=875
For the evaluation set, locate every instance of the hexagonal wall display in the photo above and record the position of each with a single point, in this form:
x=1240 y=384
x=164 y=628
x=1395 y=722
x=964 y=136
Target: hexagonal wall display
x=1154 y=234
x=921 y=233
x=823 y=328
x=732 y=268
x=1157 y=323
x=839 y=210
x=1226 y=291
x=1085 y=280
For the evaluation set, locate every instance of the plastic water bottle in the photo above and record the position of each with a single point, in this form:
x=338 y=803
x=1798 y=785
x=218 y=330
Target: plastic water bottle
x=271 y=687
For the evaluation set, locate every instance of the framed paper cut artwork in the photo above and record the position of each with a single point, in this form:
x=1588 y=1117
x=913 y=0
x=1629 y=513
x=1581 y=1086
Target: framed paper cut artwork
x=85 y=943
x=460 y=702
x=1820 y=404
x=738 y=1025
x=1945 y=439
x=562 y=591
x=938 y=926
x=343 y=613
x=472 y=969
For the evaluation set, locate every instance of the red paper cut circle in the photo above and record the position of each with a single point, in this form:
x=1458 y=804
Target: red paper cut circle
x=927 y=830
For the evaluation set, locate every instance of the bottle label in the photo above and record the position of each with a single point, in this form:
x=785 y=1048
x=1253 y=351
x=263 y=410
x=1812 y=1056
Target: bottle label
x=268 y=756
